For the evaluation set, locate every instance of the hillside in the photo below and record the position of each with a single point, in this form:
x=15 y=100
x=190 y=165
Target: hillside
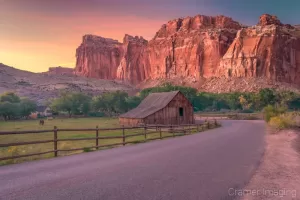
x=42 y=86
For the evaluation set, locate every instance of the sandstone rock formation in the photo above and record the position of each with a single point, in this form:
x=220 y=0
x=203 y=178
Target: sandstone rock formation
x=193 y=49
x=98 y=57
x=134 y=65
x=190 y=48
x=270 y=49
x=60 y=71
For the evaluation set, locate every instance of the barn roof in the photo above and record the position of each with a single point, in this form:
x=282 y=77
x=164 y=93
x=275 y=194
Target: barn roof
x=151 y=104
x=41 y=108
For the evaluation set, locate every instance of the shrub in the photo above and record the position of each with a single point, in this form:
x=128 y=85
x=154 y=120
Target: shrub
x=271 y=111
x=278 y=122
x=247 y=111
x=286 y=120
x=86 y=149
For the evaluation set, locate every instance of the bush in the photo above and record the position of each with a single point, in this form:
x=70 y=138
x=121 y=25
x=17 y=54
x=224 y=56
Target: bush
x=86 y=149
x=286 y=120
x=247 y=111
x=271 y=111
x=278 y=123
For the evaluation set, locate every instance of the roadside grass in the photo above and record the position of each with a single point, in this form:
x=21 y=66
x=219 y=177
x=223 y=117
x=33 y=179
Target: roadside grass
x=230 y=115
x=79 y=123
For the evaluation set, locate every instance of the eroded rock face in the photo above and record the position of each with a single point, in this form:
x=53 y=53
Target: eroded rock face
x=193 y=48
x=184 y=48
x=269 y=50
x=98 y=57
x=134 y=66
x=190 y=48
x=267 y=19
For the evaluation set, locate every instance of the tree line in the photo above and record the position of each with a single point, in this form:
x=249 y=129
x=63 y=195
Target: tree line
x=12 y=106
x=117 y=102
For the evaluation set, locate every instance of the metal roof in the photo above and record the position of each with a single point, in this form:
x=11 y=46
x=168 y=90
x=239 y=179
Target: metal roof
x=151 y=104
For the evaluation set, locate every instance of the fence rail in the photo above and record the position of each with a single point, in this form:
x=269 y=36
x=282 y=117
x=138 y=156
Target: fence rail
x=146 y=130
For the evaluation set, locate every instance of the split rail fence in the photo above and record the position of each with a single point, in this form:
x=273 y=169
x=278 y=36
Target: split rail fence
x=173 y=130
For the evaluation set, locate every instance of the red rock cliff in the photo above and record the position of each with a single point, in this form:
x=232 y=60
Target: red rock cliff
x=190 y=48
x=183 y=48
x=98 y=57
x=134 y=66
x=194 y=47
x=270 y=49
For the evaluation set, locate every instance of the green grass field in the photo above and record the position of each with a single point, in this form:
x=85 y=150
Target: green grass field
x=79 y=123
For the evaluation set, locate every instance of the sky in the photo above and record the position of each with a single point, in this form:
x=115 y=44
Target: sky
x=38 y=34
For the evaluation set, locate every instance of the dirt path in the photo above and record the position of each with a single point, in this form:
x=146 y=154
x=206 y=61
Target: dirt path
x=278 y=176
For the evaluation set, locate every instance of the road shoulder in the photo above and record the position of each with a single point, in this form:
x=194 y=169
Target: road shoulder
x=278 y=176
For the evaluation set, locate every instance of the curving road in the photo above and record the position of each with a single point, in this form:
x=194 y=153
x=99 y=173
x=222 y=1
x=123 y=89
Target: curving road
x=196 y=167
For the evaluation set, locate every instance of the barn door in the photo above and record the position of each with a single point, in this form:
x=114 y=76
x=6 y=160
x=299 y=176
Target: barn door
x=181 y=115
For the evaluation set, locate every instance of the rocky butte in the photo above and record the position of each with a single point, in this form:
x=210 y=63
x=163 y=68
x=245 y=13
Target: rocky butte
x=194 y=49
x=59 y=71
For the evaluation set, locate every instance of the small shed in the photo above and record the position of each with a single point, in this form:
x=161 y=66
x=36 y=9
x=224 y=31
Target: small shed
x=41 y=111
x=160 y=108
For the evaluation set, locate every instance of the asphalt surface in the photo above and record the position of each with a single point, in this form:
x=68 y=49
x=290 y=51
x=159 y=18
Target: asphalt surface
x=195 y=167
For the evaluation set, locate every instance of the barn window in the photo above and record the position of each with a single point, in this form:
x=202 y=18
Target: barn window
x=180 y=112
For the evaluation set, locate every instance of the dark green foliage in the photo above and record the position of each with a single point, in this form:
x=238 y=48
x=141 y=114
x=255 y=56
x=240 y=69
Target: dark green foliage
x=114 y=103
x=13 y=107
x=86 y=149
x=111 y=102
x=294 y=104
x=96 y=114
x=72 y=103
x=266 y=97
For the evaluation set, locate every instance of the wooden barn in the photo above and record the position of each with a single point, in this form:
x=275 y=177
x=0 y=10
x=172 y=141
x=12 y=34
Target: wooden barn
x=160 y=108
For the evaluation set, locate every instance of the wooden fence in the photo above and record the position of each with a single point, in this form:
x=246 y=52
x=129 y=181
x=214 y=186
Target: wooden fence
x=145 y=131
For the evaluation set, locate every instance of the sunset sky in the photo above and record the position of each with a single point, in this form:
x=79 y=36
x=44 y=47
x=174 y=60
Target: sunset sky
x=38 y=34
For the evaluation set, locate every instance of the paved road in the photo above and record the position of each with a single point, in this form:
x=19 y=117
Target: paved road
x=195 y=167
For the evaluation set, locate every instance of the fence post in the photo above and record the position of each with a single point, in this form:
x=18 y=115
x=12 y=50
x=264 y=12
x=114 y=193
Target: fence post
x=145 y=132
x=197 y=127
x=216 y=124
x=123 y=132
x=207 y=124
x=55 y=141
x=97 y=135
x=172 y=131
x=183 y=130
x=160 y=133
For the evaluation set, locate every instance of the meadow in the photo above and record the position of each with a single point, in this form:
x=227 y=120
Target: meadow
x=72 y=123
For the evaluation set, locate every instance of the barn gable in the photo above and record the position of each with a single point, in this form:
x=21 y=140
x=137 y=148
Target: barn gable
x=151 y=104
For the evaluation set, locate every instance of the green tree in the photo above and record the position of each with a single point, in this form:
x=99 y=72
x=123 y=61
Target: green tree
x=72 y=103
x=26 y=107
x=267 y=97
x=10 y=97
x=133 y=102
x=9 y=110
x=111 y=102
x=9 y=105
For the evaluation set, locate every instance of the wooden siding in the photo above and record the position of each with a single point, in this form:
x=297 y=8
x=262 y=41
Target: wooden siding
x=168 y=115
x=130 y=122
